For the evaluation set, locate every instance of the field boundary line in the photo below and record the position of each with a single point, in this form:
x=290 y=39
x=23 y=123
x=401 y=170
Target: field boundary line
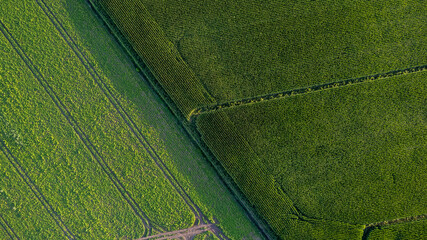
x=36 y=191
x=79 y=132
x=200 y=217
x=371 y=226
x=194 y=135
x=7 y=228
x=305 y=90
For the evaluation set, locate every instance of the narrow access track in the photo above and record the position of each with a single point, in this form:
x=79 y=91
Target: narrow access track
x=77 y=129
x=8 y=229
x=200 y=217
x=372 y=226
x=292 y=92
x=182 y=233
x=35 y=189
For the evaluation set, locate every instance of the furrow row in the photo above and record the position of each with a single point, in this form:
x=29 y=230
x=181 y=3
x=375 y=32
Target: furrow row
x=200 y=217
x=7 y=228
x=35 y=189
x=79 y=132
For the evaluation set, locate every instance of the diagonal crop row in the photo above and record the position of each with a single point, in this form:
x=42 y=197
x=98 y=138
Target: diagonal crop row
x=36 y=191
x=200 y=217
x=83 y=137
x=293 y=92
x=7 y=228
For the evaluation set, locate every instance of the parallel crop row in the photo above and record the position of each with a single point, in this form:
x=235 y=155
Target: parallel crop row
x=7 y=228
x=34 y=188
x=163 y=60
x=200 y=217
x=83 y=137
x=247 y=170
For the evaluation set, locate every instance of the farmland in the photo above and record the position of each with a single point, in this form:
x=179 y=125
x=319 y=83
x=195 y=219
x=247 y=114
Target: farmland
x=88 y=151
x=235 y=120
x=315 y=109
x=244 y=48
x=404 y=231
x=344 y=154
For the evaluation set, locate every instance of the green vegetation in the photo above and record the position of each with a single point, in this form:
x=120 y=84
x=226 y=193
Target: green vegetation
x=21 y=208
x=57 y=153
x=158 y=53
x=345 y=154
x=401 y=231
x=317 y=165
x=242 y=48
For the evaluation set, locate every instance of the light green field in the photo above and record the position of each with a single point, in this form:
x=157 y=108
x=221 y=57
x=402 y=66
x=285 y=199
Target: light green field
x=60 y=164
x=354 y=154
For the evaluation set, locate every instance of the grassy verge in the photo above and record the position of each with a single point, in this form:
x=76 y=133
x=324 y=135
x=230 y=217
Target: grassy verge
x=344 y=154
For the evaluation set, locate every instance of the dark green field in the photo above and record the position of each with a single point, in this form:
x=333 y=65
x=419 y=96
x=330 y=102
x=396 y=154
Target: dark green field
x=352 y=154
x=241 y=49
x=402 y=231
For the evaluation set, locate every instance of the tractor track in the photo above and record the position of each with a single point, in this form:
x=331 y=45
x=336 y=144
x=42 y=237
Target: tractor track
x=36 y=191
x=148 y=226
x=182 y=233
x=305 y=90
x=7 y=228
x=372 y=226
x=200 y=217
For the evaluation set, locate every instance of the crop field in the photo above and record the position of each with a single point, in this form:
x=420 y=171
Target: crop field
x=87 y=149
x=316 y=109
x=404 y=231
x=345 y=154
x=147 y=119
x=242 y=48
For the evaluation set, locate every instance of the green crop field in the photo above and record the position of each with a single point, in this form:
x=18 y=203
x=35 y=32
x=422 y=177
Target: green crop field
x=242 y=48
x=87 y=149
x=352 y=154
x=213 y=119
x=403 y=231
x=316 y=109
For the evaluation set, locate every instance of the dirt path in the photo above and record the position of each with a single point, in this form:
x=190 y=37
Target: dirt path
x=372 y=226
x=188 y=233
x=319 y=87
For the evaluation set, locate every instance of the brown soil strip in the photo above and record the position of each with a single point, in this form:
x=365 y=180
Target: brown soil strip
x=188 y=233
